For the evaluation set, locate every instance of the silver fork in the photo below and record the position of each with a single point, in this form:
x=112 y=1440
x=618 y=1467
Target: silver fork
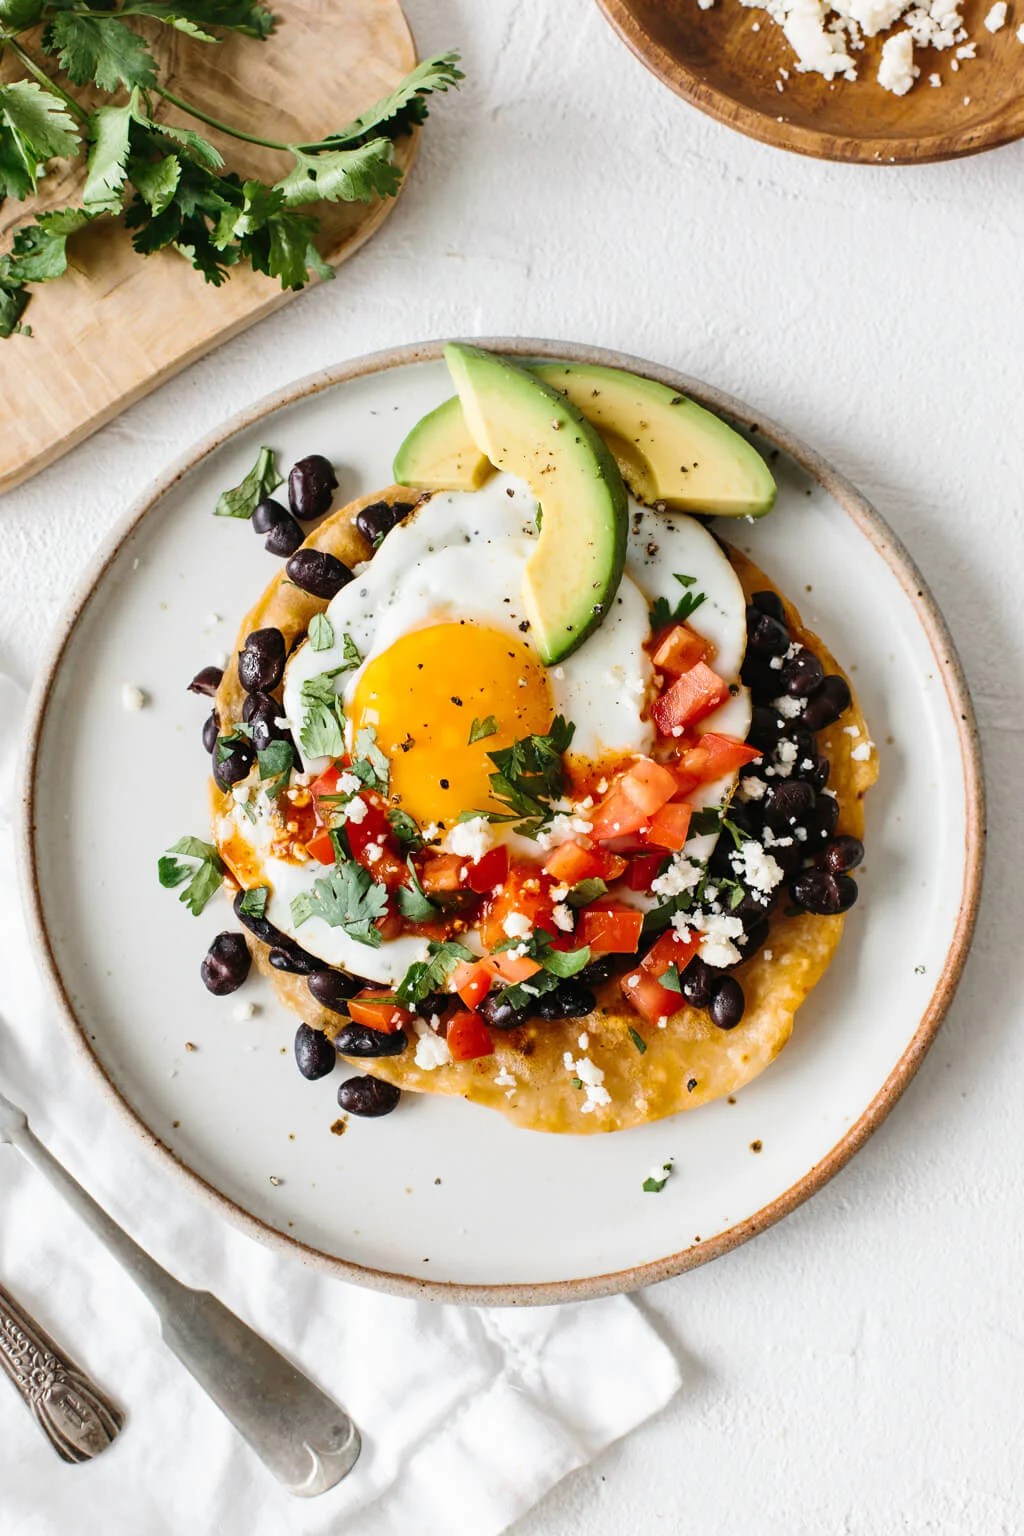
x=297 y=1431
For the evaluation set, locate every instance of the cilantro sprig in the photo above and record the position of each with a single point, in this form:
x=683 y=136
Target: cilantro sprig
x=204 y=877
x=243 y=499
x=170 y=183
x=662 y=612
x=426 y=976
x=322 y=732
x=530 y=774
x=347 y=898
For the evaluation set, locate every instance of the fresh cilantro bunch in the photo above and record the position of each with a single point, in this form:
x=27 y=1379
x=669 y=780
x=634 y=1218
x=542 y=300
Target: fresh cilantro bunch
x=171 y=184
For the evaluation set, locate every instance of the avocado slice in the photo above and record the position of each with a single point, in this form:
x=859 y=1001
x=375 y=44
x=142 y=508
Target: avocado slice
x=669 y=448
x=440 y=455
x=530 y=430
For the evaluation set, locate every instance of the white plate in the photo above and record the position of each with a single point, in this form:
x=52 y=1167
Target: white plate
x=444 y=1196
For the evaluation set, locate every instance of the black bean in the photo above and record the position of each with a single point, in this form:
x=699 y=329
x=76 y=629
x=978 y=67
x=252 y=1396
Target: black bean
x=501 y=1015
x=823 y=822
x=765 y=635
x=760 y=678
x=745 y=814
x=823 y=893
x=770 y=603
x=267 y=514
x=726 y=1007
x=291 y=958
x=368 y=1096
x=206 y=681
x=360 y=1040
x=261 y=663
x=825 y=706
x=754 y=937
x=310 y=485
x=750 y=911
x=597 y=971
x=332 y=989
x=802 y=674
x=317 y=572
x=841 y=854
x=766 y=726
x=231 y=763
x=266 y=931
x=314 y=1053
x=806 y=746
x=284 y=538
x=569 y=1001
x=790 y=855
x=225 y=964
x=787 y=803
x=261 y=711
x=378 y=519
x=817 y=774
x=211 y=730
x=698 y=982
x=433 y=1003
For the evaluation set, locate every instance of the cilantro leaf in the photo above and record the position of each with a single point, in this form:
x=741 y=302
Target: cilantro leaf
x=156 y=181
x=321 y=632
x=345 y=898
x=39 y=250
x=100 y=50
x=529 y=774
x=653 y=1184
x=13 y=300
x=107 y=165
x=356 y=175
x=242 y=499
x=670 y=978
x=34 y=127
x=406 y=106
x=585 y=891
x=638 y=1040
x=413 y=901
x=203 y=880
x=426 y=976
x=524 y=993
x=405 y=829
x=706 y=821
x=275 y=764
x=369 y=762
x=480 y=729
x=662 y=613
x=322 y=730
x=192 y=16
x=254 y=902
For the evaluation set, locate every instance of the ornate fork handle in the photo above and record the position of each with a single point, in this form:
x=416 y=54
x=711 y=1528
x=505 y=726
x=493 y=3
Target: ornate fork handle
x=75 y=1416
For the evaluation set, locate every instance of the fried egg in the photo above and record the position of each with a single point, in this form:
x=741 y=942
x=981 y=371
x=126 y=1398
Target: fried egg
x=447 y=674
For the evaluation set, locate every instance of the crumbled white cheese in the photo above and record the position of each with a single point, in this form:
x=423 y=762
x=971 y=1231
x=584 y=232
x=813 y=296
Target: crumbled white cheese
x=133 y=698
x=863 y=752
x=896 y=68
x=767 y=954
x=718 y=931
x=851 y=730
x=517 y=926
x=563 y=917
x=1020 y=33
x=349 y=784
x=505 y=1079
x=243 y=1011
x=755 y=867
x=355 y=811
x=935 y=80
x=996 y=18
x=788 y=707
x=562 y=829
x=584 y=1041
x=681 y=875
x=431 y=1050
x=373 y=852
x=592 y=1078
x=752 y=789
x=470 y=839
x=784 y=758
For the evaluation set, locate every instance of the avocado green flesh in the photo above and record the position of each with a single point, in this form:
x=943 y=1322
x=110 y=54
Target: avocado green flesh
x=529 y=430
x=440 y=455
x=667 y=447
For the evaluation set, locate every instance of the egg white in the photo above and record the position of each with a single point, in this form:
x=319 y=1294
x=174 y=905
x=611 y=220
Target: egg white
x=460 y=555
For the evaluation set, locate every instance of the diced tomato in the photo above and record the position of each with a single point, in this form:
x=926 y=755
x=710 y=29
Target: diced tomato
x=690 y=698
x=526 y=892
x=320 y=847
x=670 y=825
x=713 y=756
x=377 y=1010
x=488 y=872
x=373 y=845
x=391 y=923
x=325 y=783
x=472 y=981
x=609 y=928
x=643 y=870
x=571 y=863
x=643 y=989
x=511 y=967
x=679 y=649
x=468 y=1037
x=634 y=798
x=441 y=873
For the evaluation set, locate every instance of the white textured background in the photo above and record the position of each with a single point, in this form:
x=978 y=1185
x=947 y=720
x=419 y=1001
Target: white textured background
x=858 y=1370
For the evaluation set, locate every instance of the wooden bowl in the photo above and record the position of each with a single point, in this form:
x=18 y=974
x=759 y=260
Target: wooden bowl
x=716 y=60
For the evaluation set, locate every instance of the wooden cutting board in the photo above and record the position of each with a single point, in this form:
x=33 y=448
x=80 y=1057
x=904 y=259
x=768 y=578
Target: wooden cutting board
x=118 y=324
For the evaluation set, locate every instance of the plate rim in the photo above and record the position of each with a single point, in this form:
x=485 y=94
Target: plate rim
x=817 y=144
x=868 y=522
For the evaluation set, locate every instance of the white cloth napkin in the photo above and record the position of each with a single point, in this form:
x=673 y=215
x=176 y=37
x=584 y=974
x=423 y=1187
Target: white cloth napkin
x=468 y=1416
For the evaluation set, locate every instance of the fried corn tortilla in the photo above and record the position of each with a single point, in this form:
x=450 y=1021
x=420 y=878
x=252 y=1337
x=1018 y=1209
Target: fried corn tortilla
x=686 y=1064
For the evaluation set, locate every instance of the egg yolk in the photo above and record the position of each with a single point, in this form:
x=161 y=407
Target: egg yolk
x=422 y=696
